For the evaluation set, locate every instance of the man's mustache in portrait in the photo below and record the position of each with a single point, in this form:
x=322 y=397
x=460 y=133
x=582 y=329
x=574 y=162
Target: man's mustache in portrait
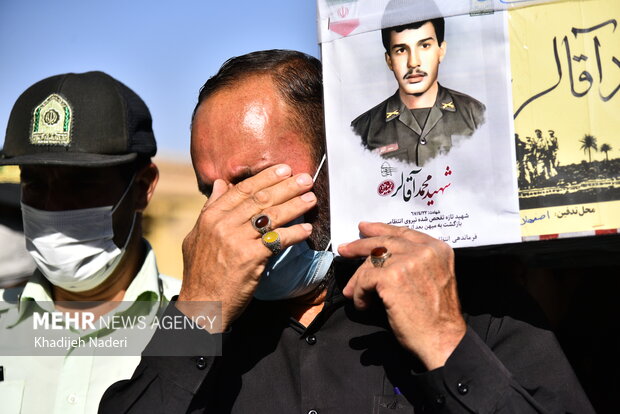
x=414 y=72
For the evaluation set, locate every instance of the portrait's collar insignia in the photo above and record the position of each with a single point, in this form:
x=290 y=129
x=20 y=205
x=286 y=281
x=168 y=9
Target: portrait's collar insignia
x=447 y=105
x=391 y=115
x=52 y=121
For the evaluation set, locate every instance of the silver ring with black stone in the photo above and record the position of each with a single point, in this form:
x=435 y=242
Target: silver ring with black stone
x=261 y=223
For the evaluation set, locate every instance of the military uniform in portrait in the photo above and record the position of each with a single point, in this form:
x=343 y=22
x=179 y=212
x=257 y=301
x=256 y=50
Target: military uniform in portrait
x=419 y=135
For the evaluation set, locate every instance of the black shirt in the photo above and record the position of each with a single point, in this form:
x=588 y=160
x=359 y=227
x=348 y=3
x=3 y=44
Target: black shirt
x=348 y=361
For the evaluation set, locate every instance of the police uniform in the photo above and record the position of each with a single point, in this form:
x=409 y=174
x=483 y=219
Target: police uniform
x=45 y=379
x=392 y=130
x=83 y=121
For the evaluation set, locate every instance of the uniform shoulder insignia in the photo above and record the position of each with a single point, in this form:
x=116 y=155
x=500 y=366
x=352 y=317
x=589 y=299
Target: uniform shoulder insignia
x=52 y=122
x=390 y=115
x=386 y=148
x=447 y=105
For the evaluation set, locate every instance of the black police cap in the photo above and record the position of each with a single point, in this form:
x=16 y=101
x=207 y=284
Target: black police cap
x=86 y=119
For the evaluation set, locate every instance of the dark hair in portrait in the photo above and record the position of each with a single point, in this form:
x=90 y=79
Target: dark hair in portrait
x=438 y=24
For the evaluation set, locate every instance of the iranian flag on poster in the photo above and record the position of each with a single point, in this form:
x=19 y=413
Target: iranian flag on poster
x=343 y=16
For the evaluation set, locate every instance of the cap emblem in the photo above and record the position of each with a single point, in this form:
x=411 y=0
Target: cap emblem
x=52 y=122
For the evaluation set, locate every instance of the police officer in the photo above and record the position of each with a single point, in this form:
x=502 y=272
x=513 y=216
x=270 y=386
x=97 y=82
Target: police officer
x=84 y=144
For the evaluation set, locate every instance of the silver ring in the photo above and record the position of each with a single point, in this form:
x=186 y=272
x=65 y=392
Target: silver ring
x=271 y=240
x=261 y=223
x=379 y=255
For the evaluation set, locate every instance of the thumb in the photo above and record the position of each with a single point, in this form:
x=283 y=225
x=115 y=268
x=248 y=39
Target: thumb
x=219 y=188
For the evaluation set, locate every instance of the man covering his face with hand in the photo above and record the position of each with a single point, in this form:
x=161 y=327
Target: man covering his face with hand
x=358 y=335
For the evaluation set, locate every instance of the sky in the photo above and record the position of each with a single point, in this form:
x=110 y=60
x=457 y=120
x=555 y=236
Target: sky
x=163 y=50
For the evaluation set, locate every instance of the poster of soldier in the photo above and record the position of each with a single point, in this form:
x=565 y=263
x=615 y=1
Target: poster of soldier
x=470 y=120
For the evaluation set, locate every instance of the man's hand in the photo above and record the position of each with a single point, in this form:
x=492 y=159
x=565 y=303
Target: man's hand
x=223 y=255
x=417 y=287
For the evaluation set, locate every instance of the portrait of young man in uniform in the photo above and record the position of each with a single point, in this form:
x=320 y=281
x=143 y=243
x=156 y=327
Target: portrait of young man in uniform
x=422 y=119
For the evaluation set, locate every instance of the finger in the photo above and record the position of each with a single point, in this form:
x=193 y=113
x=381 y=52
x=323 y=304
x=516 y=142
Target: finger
x=362 y=287
x=347 y=291
x=381 y=229
x=250 y=186
x=277 y=194
x=365 y=266
x=278 y=216
x=290 y=236
x=220 y=187
x=363 y=247
x=287 y=212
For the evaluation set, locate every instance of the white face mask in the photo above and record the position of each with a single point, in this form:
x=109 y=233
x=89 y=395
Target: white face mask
x=74 y=249
x=296 y=271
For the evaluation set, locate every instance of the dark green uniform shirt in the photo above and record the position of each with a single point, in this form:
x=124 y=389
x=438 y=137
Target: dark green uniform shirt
x=392 y=130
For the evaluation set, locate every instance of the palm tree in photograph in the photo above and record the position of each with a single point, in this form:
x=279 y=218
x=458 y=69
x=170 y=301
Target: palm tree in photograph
x=606 y=148
x=588 y=143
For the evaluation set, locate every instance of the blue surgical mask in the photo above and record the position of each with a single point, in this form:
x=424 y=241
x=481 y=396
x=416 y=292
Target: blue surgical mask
x=296 y=271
